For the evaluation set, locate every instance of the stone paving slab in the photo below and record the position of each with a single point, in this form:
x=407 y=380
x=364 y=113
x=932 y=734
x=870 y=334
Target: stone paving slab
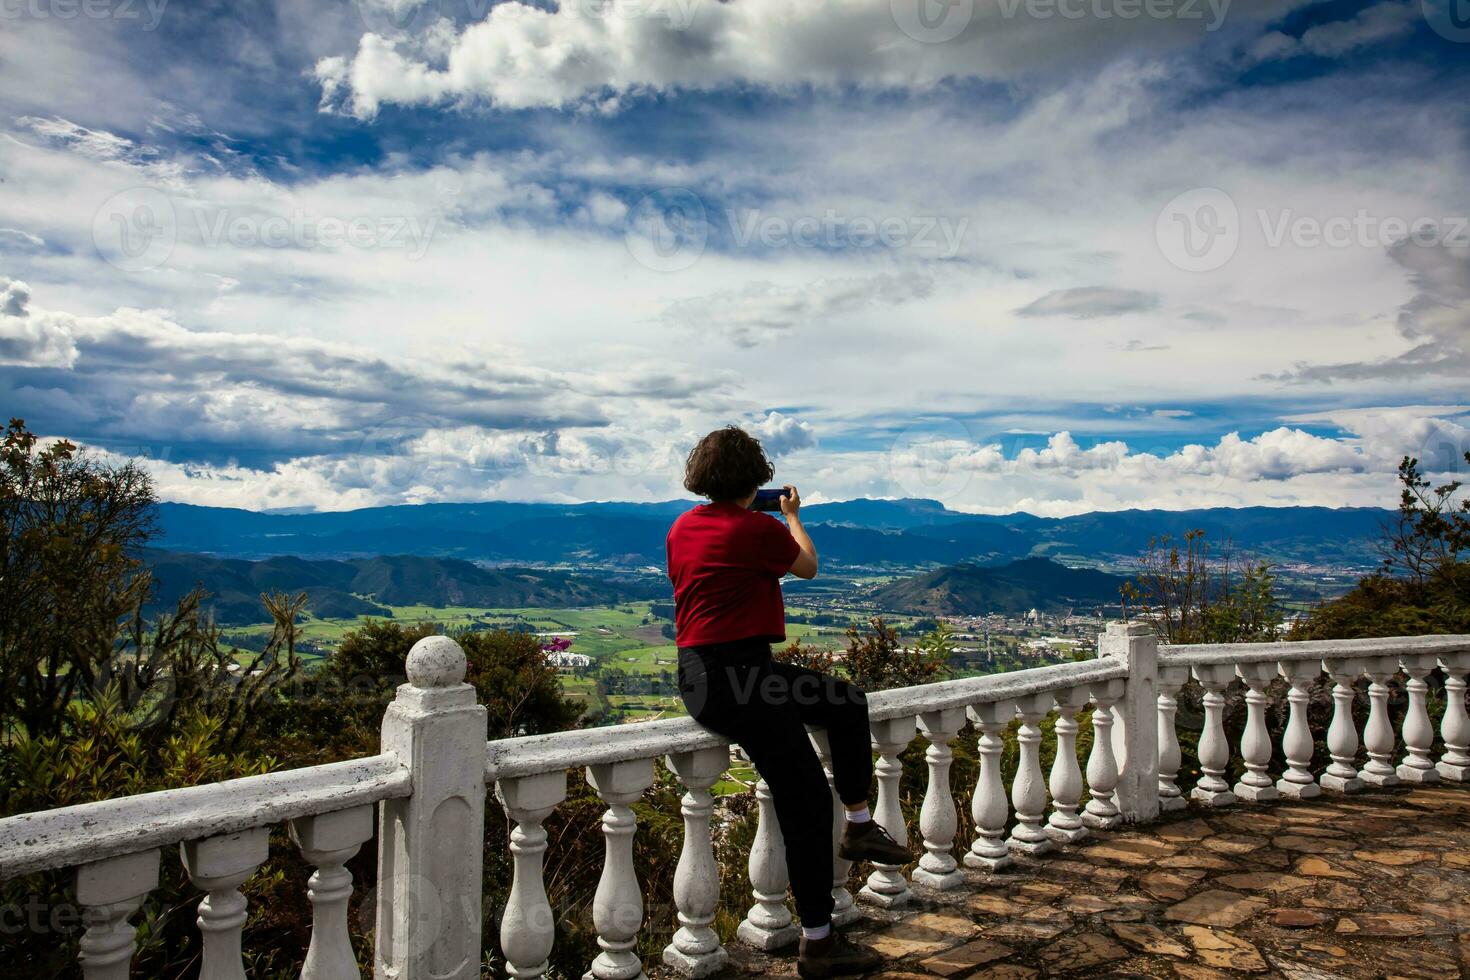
x=1369 y=886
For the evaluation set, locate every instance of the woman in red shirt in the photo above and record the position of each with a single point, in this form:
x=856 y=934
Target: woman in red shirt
x=726 y=563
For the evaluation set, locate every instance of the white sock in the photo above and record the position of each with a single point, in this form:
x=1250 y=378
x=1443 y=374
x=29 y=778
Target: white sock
x=859 y=816
x=820 y=932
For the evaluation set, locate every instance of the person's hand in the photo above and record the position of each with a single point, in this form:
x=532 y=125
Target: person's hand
x=791 y=502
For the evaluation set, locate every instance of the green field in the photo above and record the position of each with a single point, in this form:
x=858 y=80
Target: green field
x=627 y=637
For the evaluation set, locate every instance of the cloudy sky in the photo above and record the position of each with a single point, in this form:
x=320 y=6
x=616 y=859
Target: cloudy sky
x=1050 y=255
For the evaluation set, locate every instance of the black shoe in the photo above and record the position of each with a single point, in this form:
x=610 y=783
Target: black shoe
x=834 y=956
x=868 y=841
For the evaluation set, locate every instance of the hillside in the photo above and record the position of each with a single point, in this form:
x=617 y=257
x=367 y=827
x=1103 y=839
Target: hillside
x=367 y=586
x=874 y=533
x=974 y=590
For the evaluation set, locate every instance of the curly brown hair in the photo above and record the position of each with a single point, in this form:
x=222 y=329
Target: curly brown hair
x=727 y=464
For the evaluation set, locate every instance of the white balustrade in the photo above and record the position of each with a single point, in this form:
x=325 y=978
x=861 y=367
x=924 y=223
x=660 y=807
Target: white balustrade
x=1378 y=736
x=1296 y=742
x=1028 y=791
x=1102 y=812
x=1416 y=766
x=1454 y=728
x=844 y=906
x=328 y=841
x=989 y=806
x=219 y=866
x=1065 y=824
x=768 y=924
x=1214 y=750
x=938 y=819
x=695 y=950
x=1171 y=680
x=1341 y=775
x=887 y=887
x=617 y=906
x=109 y=892
x=528 y=926
x=1255 y=742
x=430 y=779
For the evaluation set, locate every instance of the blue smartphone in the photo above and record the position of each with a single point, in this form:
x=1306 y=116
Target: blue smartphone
x=768 y=500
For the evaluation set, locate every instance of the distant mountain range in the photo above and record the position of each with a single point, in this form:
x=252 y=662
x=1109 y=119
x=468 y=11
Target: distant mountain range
x=1016 y=587
x=367 y=586
x=866 y=533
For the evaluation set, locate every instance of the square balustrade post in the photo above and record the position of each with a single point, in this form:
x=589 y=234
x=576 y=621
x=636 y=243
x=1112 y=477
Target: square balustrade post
x=1136 y=728
x=431 y=844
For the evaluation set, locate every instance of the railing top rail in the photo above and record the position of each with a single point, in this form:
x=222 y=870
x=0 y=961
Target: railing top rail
x=89 y=832
x=534 y=754
x=1201 y=654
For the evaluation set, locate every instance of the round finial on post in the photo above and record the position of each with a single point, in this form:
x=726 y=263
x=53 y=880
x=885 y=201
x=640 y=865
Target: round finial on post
x=436 y=661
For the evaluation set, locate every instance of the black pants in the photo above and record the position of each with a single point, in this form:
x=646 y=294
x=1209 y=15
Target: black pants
x=735 y=690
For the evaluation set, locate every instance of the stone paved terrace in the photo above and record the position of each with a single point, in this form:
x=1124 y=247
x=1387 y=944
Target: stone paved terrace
x=1373 y=885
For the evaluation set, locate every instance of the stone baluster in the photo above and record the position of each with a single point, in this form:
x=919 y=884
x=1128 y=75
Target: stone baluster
x=938 y=819
x=109 y=892
x=1341 y=775
x=1454 y=729
x=1028 y=791
x=327 y=842
x=218 y=866
x=1416 y=766
x=989 y=806
x=1214 y=750
x=1296 y=742
x=768 y=924
x=1065 y=824
x=431 y=844
x=887 y=887
x=1378 y=733
x=528 y=926
x=617 y=906
x=1102 y=765
x=1171 y=679
x=1255 y=784
x=695 y=950
x=844 y=906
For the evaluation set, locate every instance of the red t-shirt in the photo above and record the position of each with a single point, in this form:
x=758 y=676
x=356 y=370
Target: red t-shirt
x=726 y=564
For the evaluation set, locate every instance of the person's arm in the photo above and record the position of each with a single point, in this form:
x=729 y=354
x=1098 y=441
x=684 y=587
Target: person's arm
x=805 y=565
